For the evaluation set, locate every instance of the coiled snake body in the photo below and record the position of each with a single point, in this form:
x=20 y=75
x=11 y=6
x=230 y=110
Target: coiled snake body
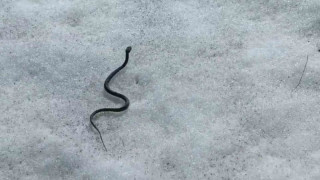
x=107 y=88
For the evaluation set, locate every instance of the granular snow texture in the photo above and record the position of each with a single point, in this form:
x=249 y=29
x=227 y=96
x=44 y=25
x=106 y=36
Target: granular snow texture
x=211 y=86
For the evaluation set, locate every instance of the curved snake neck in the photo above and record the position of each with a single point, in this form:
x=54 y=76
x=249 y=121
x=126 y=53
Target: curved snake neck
x=121 y=96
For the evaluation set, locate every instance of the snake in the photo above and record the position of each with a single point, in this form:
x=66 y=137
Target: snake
x=116 y=94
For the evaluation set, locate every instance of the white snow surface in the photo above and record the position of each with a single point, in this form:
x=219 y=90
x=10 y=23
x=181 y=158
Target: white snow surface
x=211 y=86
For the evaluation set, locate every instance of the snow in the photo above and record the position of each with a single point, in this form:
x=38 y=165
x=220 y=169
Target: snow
x=211 y=86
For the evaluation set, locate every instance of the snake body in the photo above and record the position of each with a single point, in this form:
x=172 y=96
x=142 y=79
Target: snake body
x=121 y=96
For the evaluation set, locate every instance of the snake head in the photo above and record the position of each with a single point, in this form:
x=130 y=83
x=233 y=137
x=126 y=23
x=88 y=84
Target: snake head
x=128 y=49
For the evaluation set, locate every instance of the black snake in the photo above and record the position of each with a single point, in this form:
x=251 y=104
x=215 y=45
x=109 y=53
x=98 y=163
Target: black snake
x=107 y=88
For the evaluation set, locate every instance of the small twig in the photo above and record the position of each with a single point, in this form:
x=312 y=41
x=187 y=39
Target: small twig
x=305 y=66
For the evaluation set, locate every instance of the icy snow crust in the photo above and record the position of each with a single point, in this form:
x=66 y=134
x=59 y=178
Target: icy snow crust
x=210 y=85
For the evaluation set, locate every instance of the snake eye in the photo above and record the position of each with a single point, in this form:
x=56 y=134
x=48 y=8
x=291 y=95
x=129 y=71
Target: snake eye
x=128 y=49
